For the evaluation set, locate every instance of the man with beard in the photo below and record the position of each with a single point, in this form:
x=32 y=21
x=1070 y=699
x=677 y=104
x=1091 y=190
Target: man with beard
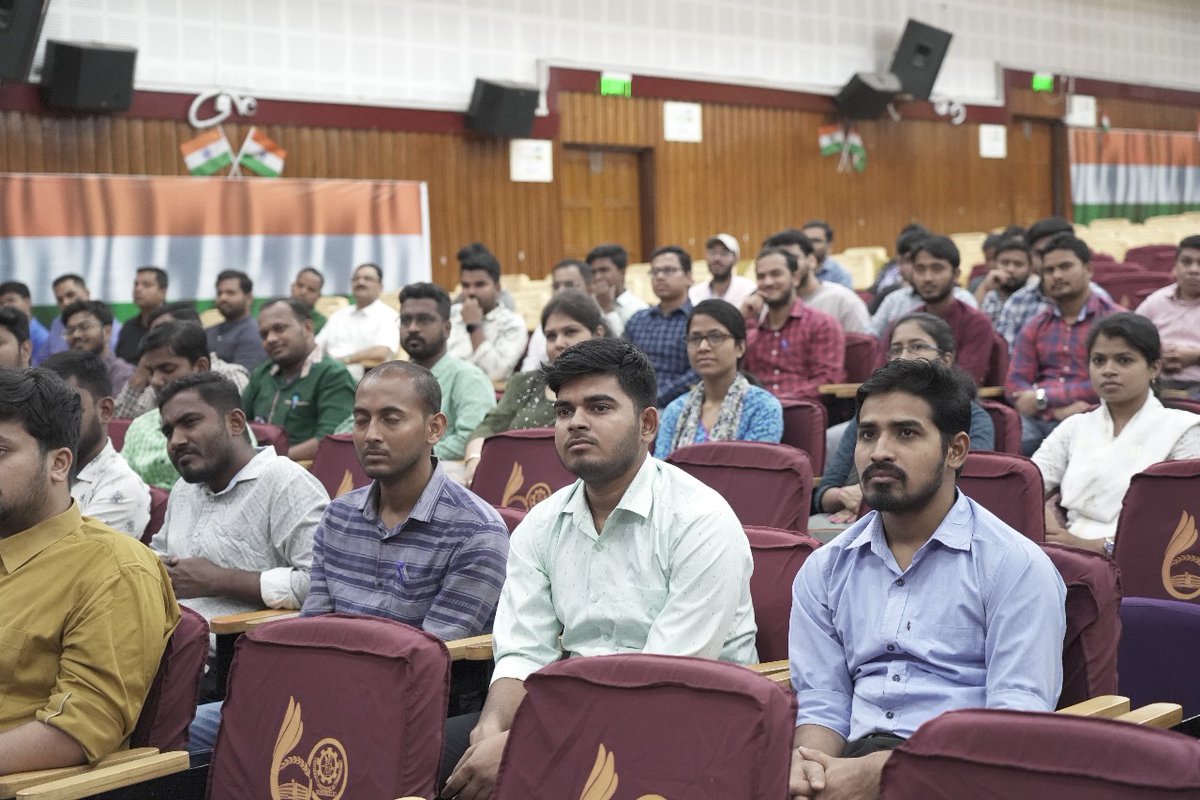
x=833 y=298
x=149 y=295
x=722 y=254
x=793 y=349
x=87 y=324
x=579 y=562
x=482 y=331
x=1012 y=271
x=828 y=270
x=467 y=392
x=929 y=603
x=239 y=526
x=236 y=340
x=85 y=611
x=934 y=277
x=102 y=482
x=362 y=334
x=658 y=331
x=16 y=349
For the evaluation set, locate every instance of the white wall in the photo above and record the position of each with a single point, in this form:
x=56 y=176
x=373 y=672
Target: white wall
x=427 y=53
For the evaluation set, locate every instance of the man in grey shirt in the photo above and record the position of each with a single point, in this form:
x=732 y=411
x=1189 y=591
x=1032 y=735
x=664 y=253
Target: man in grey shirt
x=236 y=340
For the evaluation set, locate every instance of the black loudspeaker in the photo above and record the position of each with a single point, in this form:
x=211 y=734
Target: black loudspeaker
x=867 y=94
x=919 y=57
x=20 y=27
x=88 y=77
x=502 y=109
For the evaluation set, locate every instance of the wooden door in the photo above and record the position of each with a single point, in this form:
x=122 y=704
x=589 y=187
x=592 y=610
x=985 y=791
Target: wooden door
x=1030 y=154
x=601 y=200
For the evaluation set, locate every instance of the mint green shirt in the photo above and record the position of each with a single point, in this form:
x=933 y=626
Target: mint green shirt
x=668 y=574
x=467 y=397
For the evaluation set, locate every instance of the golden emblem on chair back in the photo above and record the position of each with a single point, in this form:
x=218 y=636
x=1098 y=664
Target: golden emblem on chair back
x=512 y=490
x=602 y=782
x=1182 y=583
x=322 y=777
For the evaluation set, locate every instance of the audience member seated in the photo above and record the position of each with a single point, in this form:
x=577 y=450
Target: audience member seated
x=1175 y=310
x=1013 y=271
x=570 y=274
x=927 y=604
x=820 y=233
x=724 y=405
x=67 y=289
x=1092 y=457
x=239 y=526
x=569 y=318
x=482 y=331
x=793 y=349
x=139 y=396
x=905 y=300
x=990 y=248
x=102 y=482
x=364 y=333
x=892 y=276
x=235 y=340
x=86 y=611
x=834 y=299
x=919 y=335
x=149 y=295
x=16 y=349
x=608 y=263
x=87 y=324
x=1048 y=376
x=658 y=331
x=722 y=253
x=306 y=288
x=579 y=563
x=298 y=390
x=14 y=294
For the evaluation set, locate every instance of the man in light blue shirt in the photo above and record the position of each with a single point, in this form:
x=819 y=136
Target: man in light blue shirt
x=929 y=603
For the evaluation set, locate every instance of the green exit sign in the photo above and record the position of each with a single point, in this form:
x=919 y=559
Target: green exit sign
x=1042 y=82
x=616 y=83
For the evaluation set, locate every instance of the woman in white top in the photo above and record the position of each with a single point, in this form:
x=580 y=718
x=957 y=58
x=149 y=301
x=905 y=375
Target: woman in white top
x=1091 y=457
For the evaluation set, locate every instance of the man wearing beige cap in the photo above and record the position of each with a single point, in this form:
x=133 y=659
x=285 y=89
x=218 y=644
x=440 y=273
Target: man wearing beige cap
x=723 y=253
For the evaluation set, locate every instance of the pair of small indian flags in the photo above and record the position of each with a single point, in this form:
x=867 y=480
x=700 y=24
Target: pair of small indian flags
x=209 y=153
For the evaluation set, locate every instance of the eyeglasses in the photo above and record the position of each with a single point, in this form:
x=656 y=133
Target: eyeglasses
x=918 y=349
x=714 y=338
x=664 y=272
x=82 y=327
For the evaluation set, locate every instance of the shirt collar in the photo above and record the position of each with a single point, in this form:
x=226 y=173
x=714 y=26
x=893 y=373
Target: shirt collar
x=1091 y=307
x=953 y=532
x=312 y=358
x=795 y=312
x=19 y=548
x=97 y=464
x=1174 y=295
x=685 y=309
x=368 y=506
x=253 y=469
x=638 y=497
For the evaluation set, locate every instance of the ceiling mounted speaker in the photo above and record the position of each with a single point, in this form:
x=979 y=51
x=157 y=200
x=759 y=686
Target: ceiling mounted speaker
x=502 y=109
x=20 y=27
x=79 y=76
x=918 y=58
x=867 y=94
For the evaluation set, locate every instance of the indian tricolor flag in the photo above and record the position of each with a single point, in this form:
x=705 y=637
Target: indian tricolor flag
x=831 y=138
x=208 y=153
x=1133 y=174
x=261 y=155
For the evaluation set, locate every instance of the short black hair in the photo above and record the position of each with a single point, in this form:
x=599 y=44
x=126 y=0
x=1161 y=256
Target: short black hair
x=948 y=392
x=940 y=247
x=96 y=308
x=576 y=304
x=181 y=311
x=823 y=225
x=70 y=276
x=48 y=409
x=1138 y=331
x=788 y=237
x=160 y=276
x=376 y=267
x=17 y=323
x=910 y=238
x=1013 y=243
x=793 y=263
x=244 y=282
x=585 y=269
x=1047 y=226
x=87 y=368
x=428 y=390
x=428 y=291
x=1190 y=242
x=301 y=310
x=477 y=257
x=685 y=260
x=1068 y=241
x=320 y=275
x=184 y=338
x=613 y=252
x=618 y=357
x=214 y=389
x=15 y=287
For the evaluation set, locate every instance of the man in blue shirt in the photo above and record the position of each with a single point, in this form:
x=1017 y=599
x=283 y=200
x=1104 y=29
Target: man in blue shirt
x=16 y=295
x=820 y=233
x=658 y=332
x=929 y=603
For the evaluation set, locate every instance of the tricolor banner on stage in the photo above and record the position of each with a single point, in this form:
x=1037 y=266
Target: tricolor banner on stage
x=1133 y=174
x=104 y=227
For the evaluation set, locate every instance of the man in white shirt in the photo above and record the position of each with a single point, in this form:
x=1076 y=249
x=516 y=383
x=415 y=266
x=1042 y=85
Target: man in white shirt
x=482 y=331
x=723 y=252
x=366 y=333
x=608 y=263
x=577 y=563
x=833 y=298
x=568 y=274
x=102 y=482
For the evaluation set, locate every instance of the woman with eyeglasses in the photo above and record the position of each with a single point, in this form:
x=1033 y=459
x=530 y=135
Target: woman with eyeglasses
x=724 y=405
x=918 y=335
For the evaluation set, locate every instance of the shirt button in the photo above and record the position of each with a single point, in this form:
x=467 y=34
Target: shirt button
x=889 y=715
x=776 y=372
x=774 y=352
x=891 y=648
x=896 y=678
x=900 y=581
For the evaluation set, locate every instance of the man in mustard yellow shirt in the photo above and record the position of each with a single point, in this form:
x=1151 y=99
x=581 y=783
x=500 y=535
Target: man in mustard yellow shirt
x=85 y=612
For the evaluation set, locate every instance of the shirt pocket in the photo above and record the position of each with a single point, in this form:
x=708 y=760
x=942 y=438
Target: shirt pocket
x=634 y=610
x=950 y=640
x=12 y=645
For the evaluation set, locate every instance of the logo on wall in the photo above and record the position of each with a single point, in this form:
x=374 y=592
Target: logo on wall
x=1181 y=569
x=602 y=782
x=322 y=777
x=512 y=497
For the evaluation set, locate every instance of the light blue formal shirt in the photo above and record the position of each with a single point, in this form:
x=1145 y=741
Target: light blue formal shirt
x=976 y=621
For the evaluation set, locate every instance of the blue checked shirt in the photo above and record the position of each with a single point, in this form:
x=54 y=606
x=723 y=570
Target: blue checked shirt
x=661 y=338
x=440 y=570
x=831 y=270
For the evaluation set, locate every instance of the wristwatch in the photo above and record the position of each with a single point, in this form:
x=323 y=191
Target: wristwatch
x=473 y=326
x=1039 y=397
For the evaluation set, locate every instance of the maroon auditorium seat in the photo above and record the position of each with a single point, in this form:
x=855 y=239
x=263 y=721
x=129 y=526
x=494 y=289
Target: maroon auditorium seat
x=1125 y=287
x=862 y=355
x=1007 y=424
x=778 y=556
x=272 y=435
x=997 y=371
x=1153 y=257
x=117 y=427
x=1008 y=485
x=171 y=702
x=804 y=424
x=520 y=468
x=158 y=513
x=1157 y=544
x=336 y=465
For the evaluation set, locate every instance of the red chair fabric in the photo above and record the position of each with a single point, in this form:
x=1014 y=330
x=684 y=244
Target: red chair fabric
x=765 y=484
x=1125 y=286
x=1157 y=544
x=999 y=755
x=1093 y=622
x=332 y=706
x=273 y=435
x=171 y=702
x=1182 y=403
x=1008 y=485
x=778 y=556
x=512 y=516
x=1153 y=257
x=804 y=424
x=337 y=467
x=1103 y=269
x=1159 y=651
x=520 y=468
x=117 y=426
x=158 y=513
x=661 y=726
x=997 y=371
x=1007 y=423
x=862 y=356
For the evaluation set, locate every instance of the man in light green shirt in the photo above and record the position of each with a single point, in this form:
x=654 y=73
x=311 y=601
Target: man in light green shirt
x=636 y=556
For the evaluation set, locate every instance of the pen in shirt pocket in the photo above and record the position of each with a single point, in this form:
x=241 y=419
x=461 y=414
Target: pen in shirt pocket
x=401 y=574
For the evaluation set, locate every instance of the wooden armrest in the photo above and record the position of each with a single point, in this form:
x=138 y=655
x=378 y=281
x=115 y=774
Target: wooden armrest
x=1106 y=705
x=783 y=679
x=240 y=623
x=473 y=648
x=991 y=391
x=103 y=779
x=305 y=462
x=14 y=782
x=1156 y=715
x=770 y=667
x=839 y=389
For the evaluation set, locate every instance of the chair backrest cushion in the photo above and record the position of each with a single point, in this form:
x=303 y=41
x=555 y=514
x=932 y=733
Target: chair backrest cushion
x=1158 y=549
x=171 y=702
x=1159 y=653
x=1007 y=424
x=862 y=353
x=804 y=424
x=336 y=465
x=1008 y=485
x=520 y=468
x=273 y=435
x=117 y=427
x=158 y=513
x=778 y=556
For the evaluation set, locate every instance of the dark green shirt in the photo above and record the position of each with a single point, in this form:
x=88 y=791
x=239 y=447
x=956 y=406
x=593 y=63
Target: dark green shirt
x=524 y=405
x=308 y=407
